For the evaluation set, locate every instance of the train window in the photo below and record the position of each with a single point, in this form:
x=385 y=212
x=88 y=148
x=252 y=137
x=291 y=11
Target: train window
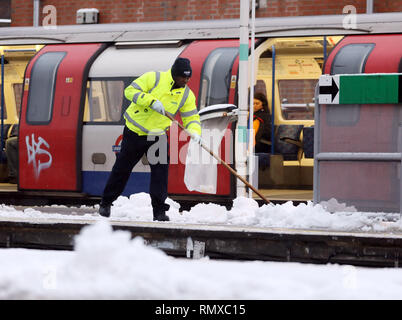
x=350 y=59
x=18 y=96
x=216 y=75
x=42 y=85
x=297 y=98
x=105 y=99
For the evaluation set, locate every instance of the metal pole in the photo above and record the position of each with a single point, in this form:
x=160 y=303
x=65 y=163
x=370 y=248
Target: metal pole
x=273 y=102
x=251 y=166
x=36 y=5
x=241 y=130
x=316 y=172
x=2 y=105
x=325 y=54
x=370 y=6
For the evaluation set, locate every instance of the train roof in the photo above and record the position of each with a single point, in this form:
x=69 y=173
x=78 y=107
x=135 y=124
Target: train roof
x=202 y=29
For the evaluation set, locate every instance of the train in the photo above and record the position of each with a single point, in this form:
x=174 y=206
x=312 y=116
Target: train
x=64 y=86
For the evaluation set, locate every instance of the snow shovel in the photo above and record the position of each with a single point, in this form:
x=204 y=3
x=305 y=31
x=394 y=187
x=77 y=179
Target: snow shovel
x=220 y=160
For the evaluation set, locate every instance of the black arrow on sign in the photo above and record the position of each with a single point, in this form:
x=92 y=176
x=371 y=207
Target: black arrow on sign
x=332 y=90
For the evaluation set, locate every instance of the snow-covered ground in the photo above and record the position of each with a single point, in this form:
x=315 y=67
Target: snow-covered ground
x=107 y=264
x=329 y=215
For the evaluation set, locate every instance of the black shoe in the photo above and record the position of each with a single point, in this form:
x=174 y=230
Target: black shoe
x=104 y=211
x=161 y=217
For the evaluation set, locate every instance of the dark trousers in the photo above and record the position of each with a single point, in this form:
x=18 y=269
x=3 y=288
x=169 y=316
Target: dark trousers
x=133 y=147
x=12 y=156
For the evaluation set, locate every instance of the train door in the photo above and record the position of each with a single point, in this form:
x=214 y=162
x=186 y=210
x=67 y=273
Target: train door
x=291 y=68
x=16 y=60
x=214 y=79
x=51 y=117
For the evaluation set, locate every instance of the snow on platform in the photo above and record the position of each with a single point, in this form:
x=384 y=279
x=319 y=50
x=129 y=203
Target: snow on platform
x=107 y=264
x=303 y=233
x=123 y=257
x=326 y=217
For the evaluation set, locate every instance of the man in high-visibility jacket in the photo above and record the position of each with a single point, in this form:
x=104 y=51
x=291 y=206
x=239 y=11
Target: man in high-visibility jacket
x=153 y=95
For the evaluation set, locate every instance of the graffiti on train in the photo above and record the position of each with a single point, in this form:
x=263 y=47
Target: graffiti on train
x=34 y=149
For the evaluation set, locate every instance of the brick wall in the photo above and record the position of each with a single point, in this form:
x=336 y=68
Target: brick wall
x=120 y=11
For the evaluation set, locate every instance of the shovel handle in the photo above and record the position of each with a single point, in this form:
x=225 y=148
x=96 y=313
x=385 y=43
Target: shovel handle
x=220 y=160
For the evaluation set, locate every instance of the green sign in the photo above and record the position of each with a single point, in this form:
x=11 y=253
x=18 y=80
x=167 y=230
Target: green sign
x=361 y=89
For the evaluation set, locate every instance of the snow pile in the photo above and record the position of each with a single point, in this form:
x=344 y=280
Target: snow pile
x=107 y=264
x=11 y=212
x=332 y=205
x=308 y=216
x=137 y=206
x=329 y=215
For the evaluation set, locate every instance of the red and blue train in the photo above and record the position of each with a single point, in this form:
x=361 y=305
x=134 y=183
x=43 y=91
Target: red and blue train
x=70 y=102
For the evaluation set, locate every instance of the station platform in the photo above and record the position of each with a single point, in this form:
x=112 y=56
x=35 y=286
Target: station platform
x=216 y=241
x=283 y=195
x=11 y=196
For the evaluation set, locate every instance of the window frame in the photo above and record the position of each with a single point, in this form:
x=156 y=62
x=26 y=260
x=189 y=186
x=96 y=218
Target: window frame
x=353 y=110
x=306 y=108
x=205 y=94
x=50 y=101
x=125 y=102
x=18 y=102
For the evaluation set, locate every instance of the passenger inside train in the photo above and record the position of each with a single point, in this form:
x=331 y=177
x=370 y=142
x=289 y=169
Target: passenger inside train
x=11 y=150
x=290 y=67
x=16 y=59
x=262 y=129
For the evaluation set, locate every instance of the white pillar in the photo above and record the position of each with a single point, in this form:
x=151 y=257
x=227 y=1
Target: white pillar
x=36 y=5
x=241 y=130
x=370 y=6
x=251 y=115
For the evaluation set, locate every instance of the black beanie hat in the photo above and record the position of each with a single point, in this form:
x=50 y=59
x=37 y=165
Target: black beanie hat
x=181 y=68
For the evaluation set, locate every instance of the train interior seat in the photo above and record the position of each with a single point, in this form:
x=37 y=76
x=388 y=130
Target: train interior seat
x=4 y=135
x=308 y=142
x=291 y=165
x=287 y=141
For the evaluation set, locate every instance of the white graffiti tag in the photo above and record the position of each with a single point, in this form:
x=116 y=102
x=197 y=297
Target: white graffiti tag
x=35 y=149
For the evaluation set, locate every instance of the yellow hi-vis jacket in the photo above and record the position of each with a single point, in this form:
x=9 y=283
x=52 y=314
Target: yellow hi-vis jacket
x=152 y=86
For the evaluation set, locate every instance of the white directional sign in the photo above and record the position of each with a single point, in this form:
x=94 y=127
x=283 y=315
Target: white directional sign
x=329 y=89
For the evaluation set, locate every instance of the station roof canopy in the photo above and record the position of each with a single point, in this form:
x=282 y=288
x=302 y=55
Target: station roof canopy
x=203 y=29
